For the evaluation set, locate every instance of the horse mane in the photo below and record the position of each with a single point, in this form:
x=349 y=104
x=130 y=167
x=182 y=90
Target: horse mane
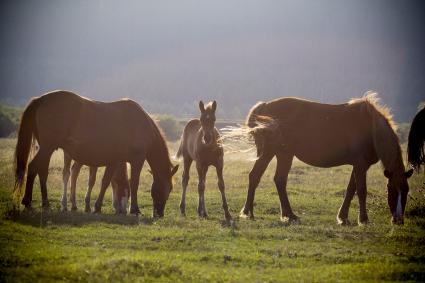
x=372 y=100
x=385 y=139
x=160 y=138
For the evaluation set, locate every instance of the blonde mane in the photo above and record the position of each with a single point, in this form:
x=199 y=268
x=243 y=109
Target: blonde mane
x=370 y=98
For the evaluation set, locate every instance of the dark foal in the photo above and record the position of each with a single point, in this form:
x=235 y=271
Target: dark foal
x=201 y=143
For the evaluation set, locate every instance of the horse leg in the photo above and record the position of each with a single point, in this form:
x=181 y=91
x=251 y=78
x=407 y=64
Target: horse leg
x=75 y=171
x=115 y=197
x=33 y=169
x=284 y=162
x=222 y=188
x=360 y=175
x=185 y=181
x=342 y=217
x=90 y=185
x=202 y=173
x=254 y=179
x=106 y=180
x=66 y=173
x=43 y=172
x=134 y=186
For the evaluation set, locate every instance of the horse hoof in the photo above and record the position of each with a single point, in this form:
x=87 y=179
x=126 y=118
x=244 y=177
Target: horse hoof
x=343 y=222
x=290 y=220
x=87 y=209
x=363 y=222
x=245 y=215
x=203 y=215
x=97 y=210
x=64 y=209
x=74 y=208
x=45 y=205
x=228 y=217
x=135 y=211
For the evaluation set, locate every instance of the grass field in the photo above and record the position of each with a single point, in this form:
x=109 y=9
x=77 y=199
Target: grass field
x=43 y=246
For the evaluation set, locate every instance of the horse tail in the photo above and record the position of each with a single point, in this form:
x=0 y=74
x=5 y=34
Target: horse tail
x=25 y=138
x=180 y=150
x=251 y=119
x=415 y=144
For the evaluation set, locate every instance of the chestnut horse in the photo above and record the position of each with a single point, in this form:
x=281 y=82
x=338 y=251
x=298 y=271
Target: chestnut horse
x=357 y=133
x=96 y=134
x=201 y=142
x=119 y=183
x=415 y=146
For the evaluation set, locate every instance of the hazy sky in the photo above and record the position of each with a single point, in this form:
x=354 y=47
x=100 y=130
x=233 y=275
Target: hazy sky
x=169 y=54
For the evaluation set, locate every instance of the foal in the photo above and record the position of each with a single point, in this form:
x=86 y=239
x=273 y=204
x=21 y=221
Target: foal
x=119 y=182
x=201 y=142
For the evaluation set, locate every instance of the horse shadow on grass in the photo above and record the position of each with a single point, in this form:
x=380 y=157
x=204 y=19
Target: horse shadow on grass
x=49 y=218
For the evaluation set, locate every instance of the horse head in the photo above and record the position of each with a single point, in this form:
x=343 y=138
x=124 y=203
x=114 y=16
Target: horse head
x=398 y=189
x=208 y=122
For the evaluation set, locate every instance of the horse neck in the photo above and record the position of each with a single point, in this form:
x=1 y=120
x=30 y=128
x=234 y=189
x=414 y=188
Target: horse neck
x=200 y=144
x=387 y=145
x=158 y=158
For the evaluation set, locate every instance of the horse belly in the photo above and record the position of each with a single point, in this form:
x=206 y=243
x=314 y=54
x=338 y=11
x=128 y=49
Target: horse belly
x=95 y=154
x=323 y=154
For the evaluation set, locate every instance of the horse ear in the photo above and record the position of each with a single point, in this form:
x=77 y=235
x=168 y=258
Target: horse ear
x=408 y=174
x=174 y=170
x=214 y=105
x=201 y=106
x=387 y=174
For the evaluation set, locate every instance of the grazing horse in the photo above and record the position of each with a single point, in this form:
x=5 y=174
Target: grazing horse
x=96 y=134
x=357 y=133
x=201 y=142
x=119 y=182
x=415 y=145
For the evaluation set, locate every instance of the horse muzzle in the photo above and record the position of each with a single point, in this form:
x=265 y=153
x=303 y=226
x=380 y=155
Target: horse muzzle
x=158 y=210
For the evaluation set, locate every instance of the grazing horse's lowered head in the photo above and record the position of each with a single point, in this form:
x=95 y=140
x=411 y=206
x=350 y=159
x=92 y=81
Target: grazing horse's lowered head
x=398 y=189
x=207 y=122
x=160 y=191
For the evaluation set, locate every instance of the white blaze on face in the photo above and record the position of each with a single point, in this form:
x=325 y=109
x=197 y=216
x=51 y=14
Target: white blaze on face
x=399 y=211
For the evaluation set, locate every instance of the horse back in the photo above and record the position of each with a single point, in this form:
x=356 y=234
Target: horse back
x=92 y=132
x=323 y=134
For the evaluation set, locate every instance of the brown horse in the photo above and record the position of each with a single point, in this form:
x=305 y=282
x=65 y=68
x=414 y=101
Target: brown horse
x=201 y=142
x=415 y=146
x=119 y=182
x=96 y=134
x=358 y=133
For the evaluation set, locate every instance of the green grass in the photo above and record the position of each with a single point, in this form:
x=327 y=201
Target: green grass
x=43 y=246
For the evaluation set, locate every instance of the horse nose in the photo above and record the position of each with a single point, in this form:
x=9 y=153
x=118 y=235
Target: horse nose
x=207 y=137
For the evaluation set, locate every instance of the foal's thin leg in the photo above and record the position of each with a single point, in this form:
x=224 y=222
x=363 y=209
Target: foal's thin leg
x=360 y=174
x=66 y=173
x=254 y=179
x=75 y=171
x=134 y=185
x=90 y=185
x=43 y=171
x=106 y=180
x=284 y=162
x=202 y=173
x=342 y=217
x=185 y=181
x=222 y=189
